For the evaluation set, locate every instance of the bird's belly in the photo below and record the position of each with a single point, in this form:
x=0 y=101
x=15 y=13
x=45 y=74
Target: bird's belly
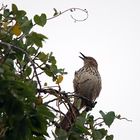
x=87 y=86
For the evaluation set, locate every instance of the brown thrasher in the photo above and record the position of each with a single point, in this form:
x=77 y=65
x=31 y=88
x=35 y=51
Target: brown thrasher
x=87 y=86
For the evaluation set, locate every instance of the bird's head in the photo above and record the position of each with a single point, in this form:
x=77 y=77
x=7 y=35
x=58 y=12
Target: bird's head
x=89 y=61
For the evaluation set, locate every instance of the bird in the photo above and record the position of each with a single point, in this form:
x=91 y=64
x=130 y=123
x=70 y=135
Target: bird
x=87 y=86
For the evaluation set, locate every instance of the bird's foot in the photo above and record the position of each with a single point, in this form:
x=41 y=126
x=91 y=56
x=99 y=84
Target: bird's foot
x=90 y=106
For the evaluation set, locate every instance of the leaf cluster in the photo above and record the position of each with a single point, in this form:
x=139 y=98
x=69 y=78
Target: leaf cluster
x=23 y=115
x=87 y=127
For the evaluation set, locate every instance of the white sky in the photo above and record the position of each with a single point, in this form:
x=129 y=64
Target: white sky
x=111 y=34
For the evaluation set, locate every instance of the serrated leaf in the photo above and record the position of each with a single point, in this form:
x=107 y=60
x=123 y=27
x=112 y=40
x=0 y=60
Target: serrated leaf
x=59 y=79
x=16 y=29
x=109 y=118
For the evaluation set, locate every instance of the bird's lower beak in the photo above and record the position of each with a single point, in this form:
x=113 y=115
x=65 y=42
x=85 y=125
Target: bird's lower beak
x=83 y=56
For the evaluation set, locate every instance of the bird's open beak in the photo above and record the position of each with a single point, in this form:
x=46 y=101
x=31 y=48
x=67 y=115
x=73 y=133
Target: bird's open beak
x=83 y=56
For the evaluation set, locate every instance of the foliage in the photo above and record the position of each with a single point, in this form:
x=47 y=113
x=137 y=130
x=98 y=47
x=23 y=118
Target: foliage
x=24 y=115
x=87 y=127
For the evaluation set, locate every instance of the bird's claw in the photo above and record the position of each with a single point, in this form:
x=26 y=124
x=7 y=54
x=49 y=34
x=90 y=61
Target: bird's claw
x=90 y=106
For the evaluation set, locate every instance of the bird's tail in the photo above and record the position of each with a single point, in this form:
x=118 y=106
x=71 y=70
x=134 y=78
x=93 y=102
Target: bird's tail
x=69 y=118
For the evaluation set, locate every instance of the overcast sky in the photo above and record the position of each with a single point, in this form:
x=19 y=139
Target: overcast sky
x=111 y=35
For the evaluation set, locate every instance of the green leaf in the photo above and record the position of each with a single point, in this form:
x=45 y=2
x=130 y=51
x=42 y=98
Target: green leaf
x=40 y=20
x=6 y=13
x=109 y=137
x=13 y=106
x=90 y=119
x=61 y=134
x=103 y=132
x=97 y=135
x=44 y=111
x=37 y=39
x=1 y=70
x=14 y=8
x=37 y=19
x=43 y=19
x=26 y=26
x=52 y=60
x=0 y=16
x=75 y=136
x=28 y=71
x=32 y=51
x=48 y=72
x=61 y=71
x=79 y=125
x=21 y=14
x=53 y=69
x=102 y=113
x=21 y=90
x=109 y=118
x=42 y=56
x=23 y=129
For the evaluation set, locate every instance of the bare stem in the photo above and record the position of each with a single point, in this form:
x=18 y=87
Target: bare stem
x=71 y=10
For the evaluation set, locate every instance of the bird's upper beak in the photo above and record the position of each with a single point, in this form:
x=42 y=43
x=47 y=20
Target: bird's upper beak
x=83 y=56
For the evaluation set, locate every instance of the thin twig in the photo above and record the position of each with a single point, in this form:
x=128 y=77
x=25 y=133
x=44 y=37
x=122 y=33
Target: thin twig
x=59 y=112
x=100 y=123
x=98 y=119
x=71 y=9
x=125 y=119
x=3 y=7
x=71 y=107
x=46 y=103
